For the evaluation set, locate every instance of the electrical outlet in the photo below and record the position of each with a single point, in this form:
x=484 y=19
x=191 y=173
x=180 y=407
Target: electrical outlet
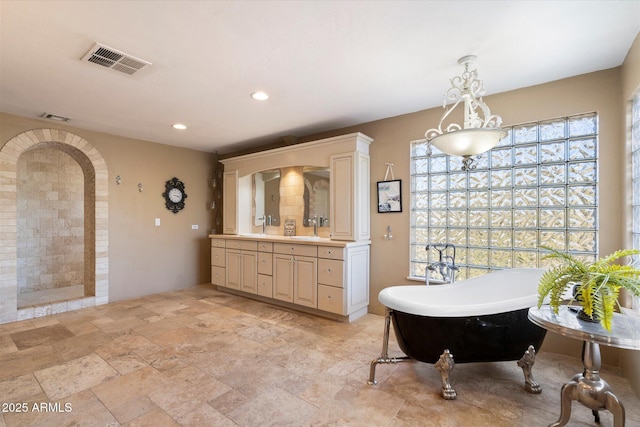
x=194 y=227
x=157 y=222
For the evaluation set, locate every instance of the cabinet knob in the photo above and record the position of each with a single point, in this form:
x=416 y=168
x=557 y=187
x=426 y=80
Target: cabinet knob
x=329 y=252
x=329 y=270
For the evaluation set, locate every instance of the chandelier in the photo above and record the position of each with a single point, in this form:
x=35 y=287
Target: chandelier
x=479 y=132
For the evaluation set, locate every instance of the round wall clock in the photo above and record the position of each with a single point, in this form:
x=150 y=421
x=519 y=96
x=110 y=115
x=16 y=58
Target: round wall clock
x=174 y=195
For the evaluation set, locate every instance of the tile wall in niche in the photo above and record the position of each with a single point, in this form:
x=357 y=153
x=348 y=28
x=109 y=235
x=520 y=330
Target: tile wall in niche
x=50 y=204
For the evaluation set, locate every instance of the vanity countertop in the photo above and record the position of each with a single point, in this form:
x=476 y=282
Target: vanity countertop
x=303 y=240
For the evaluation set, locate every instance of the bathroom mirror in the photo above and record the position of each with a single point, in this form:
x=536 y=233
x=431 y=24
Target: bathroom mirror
x=316 y=196
x=269 y=205
x=266 y=185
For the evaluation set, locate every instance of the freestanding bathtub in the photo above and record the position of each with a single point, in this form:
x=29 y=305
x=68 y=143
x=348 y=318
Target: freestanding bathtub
x=483 y=319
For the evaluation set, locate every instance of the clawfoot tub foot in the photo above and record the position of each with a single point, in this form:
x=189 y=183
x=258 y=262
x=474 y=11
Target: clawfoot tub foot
x=445 y=364
x=526 y=363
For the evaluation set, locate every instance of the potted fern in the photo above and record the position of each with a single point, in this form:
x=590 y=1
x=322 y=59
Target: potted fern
x=596 y=285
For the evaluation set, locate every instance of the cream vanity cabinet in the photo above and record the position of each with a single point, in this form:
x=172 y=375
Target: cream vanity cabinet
x=323 y=277
x=327 y=275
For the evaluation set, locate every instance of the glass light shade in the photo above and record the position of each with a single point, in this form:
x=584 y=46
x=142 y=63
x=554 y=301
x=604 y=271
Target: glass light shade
x=468 y=142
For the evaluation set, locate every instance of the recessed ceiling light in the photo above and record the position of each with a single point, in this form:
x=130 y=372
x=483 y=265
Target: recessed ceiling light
x=260 y=96
x=179 y=126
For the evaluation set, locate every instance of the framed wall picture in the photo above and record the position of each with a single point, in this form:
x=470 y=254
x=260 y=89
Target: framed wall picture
x=389 y=196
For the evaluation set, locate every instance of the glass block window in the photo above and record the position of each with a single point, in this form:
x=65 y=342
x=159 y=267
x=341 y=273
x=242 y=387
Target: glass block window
x=635 y=171
x=538 y=187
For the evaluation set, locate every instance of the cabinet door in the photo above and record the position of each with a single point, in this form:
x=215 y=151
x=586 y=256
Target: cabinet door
x=218 y=257
x=234 y=269
x=342 y=197
x=305 y=281
x=249 y=281
x=265 y=285
x=230 y=203
x=218 y=276
x=350 y=200
x=362 y=203
x=265 y=263
x=283 y=277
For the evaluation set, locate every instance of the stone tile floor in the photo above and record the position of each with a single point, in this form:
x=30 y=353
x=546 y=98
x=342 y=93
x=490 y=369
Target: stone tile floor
x=200 y=357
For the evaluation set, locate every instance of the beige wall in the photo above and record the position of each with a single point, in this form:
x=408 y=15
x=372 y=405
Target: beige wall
x=144 y=259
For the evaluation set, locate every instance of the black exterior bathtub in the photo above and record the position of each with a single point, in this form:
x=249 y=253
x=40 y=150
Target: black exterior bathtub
x=489 y=338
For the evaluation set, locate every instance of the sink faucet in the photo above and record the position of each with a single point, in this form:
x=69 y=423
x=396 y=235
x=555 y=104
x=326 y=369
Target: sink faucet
x=446 y=265
x=314 y=219
x=264 y=224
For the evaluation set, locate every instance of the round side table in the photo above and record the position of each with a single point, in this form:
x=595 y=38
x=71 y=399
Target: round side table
x=588 y=388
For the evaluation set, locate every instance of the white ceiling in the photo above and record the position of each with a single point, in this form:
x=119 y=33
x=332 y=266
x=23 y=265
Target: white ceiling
x=325 y=64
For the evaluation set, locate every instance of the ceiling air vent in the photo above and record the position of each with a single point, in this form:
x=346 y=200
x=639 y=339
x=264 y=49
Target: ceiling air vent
x=54 y=117
x=114 y=59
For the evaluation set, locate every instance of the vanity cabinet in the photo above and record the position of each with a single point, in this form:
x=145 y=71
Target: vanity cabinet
x=218 y=262
x=328 y=278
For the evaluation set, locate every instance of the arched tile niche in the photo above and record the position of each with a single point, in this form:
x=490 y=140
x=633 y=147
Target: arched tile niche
x=96 y=232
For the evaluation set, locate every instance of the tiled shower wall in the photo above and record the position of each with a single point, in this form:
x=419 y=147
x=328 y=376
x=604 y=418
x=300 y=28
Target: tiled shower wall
x=50 y=203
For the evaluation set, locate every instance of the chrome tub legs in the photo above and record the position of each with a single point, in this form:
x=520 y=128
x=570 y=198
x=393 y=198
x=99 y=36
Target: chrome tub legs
x=445 y=365
x=526 y=363
x=384 y=357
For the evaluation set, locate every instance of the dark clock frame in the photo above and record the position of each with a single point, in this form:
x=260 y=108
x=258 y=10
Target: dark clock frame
x=169 y=185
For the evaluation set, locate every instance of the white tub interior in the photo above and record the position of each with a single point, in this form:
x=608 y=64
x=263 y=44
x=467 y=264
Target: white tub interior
x=496 y=292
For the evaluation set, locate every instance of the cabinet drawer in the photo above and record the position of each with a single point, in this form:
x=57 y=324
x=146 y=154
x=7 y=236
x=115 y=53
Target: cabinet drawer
x=246 y=245
x=218 y=276
x=293 y=249
x=330 y=252
x=330 y=272
x=331 y=299
x=265 y=263
x=265 y=285
x=265 y=246
x=217 y=243
x=218 y=257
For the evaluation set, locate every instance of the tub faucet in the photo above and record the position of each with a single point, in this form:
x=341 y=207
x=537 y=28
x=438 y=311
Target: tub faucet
x=446 y=265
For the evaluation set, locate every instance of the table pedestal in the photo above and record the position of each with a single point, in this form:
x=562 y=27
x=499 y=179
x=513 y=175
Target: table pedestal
x=590 y=390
